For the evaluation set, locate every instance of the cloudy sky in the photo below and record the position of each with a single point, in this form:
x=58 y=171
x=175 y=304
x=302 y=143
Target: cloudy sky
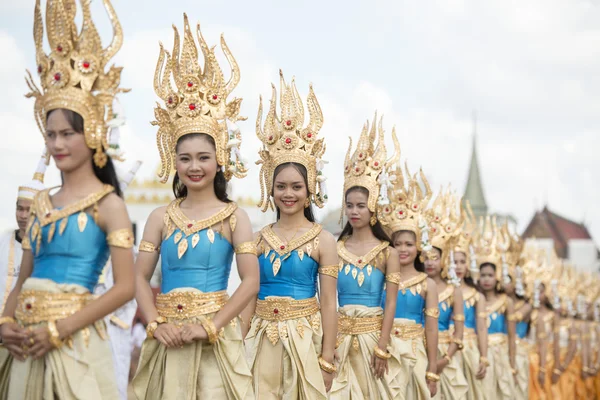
x=529 y=68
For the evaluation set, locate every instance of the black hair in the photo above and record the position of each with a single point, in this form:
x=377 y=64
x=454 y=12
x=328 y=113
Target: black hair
x=106 y=174
x=308 y=211
x=377 y=229
x=419 y=265
x=219 y=183
x=489 y=264
x=469 y=282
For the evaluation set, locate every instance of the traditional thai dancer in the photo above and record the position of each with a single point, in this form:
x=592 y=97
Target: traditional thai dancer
x=194 y=347
x=291 y=340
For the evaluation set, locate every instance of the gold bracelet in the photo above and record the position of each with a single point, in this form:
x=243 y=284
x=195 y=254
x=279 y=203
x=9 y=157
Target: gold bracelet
x=484 y=361
x=152 y=325
x=430 y=376
x=210 y=328
x=542 y=335
x=327 y=366
x=394 y=278
x=246 y=248
x=542 y=370
x=331 y=270
x=482 y=314
x=447 y=358
x=121 y=238
x=432 y=312
x=459 y=318
x=513 y=371
x=459 y=343
x=557 y=371
x=518 y=316
x=54 y=335
x=586 y=369
x=147 y=247
x=511 y=318
x=6 y=320
x=384 y=355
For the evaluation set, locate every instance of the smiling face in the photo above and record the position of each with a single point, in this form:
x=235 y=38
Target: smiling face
x=356 y=208
x=433 y=262
x=65 y=143
x=405 y=242
x=487 y=277
x=290 y=190
x=196 y=161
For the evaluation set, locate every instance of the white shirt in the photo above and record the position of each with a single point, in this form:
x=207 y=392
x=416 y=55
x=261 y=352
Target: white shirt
x=10 y=264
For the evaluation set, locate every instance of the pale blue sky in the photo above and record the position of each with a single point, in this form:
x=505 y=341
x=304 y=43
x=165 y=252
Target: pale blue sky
x=530 y=68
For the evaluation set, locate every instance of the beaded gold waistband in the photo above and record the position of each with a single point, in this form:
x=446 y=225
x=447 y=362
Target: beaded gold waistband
x=469 y=334
x=283 y=309
x=444 y=337
x=357 y=325
x=408 y=331
x=35 y=306
x=186 y=305
x=496 y=338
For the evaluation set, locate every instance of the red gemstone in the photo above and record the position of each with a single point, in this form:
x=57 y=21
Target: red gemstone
x=40 y=69
x=360 y=155
x=357 y=169
x=288 y=140
x=275 y=311
x=309 y=135
x=179 y=307
x=190 y=225
x=288 y=122
x=282 y=247
x=57 y=76
x=400 y=212
x=86 y=64
x=434 y=230
x=376 y=163
x=397 y=332
x=28 y=306
x=170 y=100
x=271 y=137
x=59 y=48
x=215 y=97
x=360 y=261
x=192 y=106
x=48 y=215
x=190 y=84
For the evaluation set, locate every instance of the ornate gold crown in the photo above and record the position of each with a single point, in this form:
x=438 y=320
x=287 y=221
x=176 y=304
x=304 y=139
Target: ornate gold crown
x=286 y=140
x=367 y=167
x=72 y=76
x=491 y=245
x=444 y=222
x=28 y=191
x=407 y=206
x=462 y=241
x=198 y=103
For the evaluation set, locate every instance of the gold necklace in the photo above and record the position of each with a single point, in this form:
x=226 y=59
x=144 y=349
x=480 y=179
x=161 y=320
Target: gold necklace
x=287 y=241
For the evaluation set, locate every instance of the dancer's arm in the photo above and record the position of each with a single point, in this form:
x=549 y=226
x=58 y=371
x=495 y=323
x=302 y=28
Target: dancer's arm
x=431 y=332
x=482 y=334
x=459 y=322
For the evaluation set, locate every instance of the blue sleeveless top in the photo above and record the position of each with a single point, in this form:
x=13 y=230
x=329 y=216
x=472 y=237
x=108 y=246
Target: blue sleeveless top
x=496 y=316
x=410 y=303
x=287 y=270
x=446 y=306
x=359 y=281
x=68 y=246
x=192 y=255
x=471 y=295
x=522 y=328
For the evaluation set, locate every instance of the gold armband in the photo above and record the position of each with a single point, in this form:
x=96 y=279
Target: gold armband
x=484 y=361
x=431 y=377
x=518 y=316
x=394 y=278
x=25 y=243
x=459 y=343
x=574 y=336
x=331 y=270
x=210 y=329
x=542 y=370
x=54 y=335
x=557 y=371
x=246 y=248
x=432 y=312
x=121 y=238
x=542 y=335
x=147 y=247
x=482 y=314
x=326 y=366
x=459 y=318
x=6 y=320
x=384 y=355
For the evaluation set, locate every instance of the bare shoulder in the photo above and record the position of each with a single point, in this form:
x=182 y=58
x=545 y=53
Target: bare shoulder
x=509 y=302
x=241 y=214
x=112 y=203
x=393 y=253
x=326 y=238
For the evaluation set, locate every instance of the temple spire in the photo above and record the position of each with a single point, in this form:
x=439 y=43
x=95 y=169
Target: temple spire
x=474 y=189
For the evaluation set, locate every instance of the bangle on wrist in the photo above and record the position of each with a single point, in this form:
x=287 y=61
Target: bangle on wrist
x=447 y=358
x=6 y=320
x=153 y=325
x=54 y=335
x=210 y=328
x=327 y=366
x=431 y=377
x=484 y=361
x=542 y=370
x=384 y=355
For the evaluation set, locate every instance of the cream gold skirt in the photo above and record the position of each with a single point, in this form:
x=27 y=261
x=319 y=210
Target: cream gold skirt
x=453 y=384
x=522 y=367
x=355 y=379
x=412 y=339
x=198 y=370
x=469 y=359
x=498 y=382
x=283 y=349
x=82 y=370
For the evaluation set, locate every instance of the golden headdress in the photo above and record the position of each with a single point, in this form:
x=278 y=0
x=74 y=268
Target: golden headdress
x=368 y=166
x=28 y=191
x=72 y=76
x=198 y=103
x=286 y=140
x=491 y=245
x=463 y=241
x=407 y=204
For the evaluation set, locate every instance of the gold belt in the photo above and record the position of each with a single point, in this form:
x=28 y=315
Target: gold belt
x=444 y=337
x=35 y=306
x=357 y=325
x=496 y=338
x=283 y=309
x=187 y=305
x=408 y=331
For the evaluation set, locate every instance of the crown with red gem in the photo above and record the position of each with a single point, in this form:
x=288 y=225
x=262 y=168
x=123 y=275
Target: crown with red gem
x=368 y=166
x=72 y=76
x=198 y=102
x=286 y=140
x=444 y=222
x=405 y=212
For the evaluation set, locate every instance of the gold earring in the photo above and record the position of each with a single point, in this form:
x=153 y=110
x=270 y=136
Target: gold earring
x=373 y=220
x=307 y=203
x=498 y=287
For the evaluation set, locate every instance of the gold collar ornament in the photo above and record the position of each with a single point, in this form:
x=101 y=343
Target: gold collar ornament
x=368 y=166
x=285 y=139
x=197 y=103
x=73 y=75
